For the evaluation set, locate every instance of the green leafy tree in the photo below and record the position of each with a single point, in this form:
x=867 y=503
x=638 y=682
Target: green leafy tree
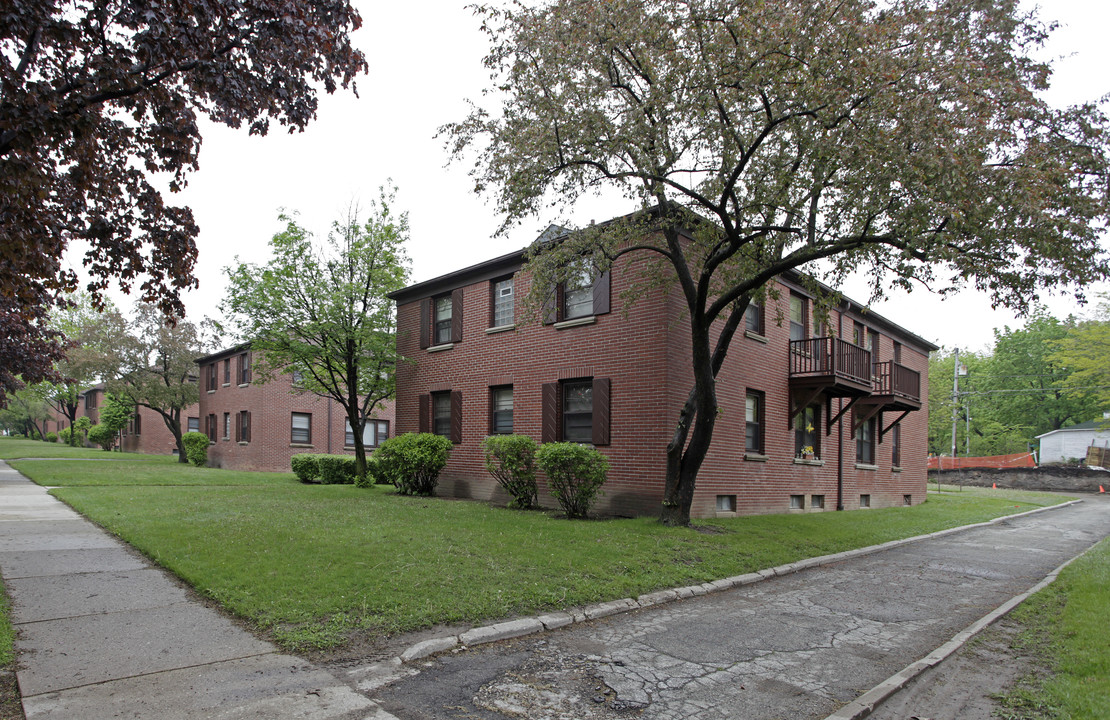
x=323 y=311
x=26 y=411
x=116 y=413
x=156 y=368
x=92 y=336
x=1085 y=352
x=907 y=140
x=97 y=96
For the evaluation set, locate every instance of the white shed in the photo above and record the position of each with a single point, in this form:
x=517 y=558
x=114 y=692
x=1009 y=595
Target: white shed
x=1072 y=442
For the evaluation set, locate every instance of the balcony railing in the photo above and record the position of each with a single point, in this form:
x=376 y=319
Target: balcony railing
x=897 y=380
x=830 y=357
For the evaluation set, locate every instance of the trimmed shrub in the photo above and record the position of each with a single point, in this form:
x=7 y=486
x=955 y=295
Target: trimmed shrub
x=65 y=434
x=575 y=474
x=102 y=436
x=511 y=459
x=52 y=437
x=413 y=462
x=306 y=467
x=336 y=469
x=196 y=448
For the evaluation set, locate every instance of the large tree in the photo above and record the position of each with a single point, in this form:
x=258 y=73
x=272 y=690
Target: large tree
x=322 y=311
x=907 y=139
x=93 y=337
x=1085 y=351
x=95 y=97
x=156 y=367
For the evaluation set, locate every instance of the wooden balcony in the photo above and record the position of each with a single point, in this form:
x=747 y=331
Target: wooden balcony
x=831 y=366
x=896 y=387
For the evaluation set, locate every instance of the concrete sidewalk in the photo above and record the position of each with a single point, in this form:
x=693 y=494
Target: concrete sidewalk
x=101 y=633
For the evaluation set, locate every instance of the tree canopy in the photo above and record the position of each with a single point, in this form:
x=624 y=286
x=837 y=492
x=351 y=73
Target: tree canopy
x=322 y=311
x=155 y=367
x=1085 y=352
x=99 y=98
x=908 y=139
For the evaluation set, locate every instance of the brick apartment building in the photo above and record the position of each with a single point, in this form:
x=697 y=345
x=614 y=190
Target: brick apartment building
x=811 y=415
x=255 y=426
x=147 y=431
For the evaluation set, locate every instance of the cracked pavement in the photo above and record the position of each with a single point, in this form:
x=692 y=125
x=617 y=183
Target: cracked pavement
x=798 y=646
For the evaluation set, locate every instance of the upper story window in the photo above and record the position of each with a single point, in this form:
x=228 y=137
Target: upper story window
x=578 y=298
x=227 y=371
x=582 y=295
x=501 y=410
x=211 y=377
x=798 y=317
x=90 y=401
x=753 y=318
x=753 y=422
x=859 y=334
x=898 y=352
x=245 y=368
x=502 y=303
x=443 y=320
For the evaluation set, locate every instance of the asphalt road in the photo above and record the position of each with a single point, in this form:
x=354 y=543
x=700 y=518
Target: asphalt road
x=798 y=646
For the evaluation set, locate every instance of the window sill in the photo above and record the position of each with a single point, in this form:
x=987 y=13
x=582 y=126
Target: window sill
x=211 y=392
x=576 y=322
x=755 y=336
x=726 y=514
x=866 y=466
x=243 y=442
x=441 y=348
x=814 y=462
x=302 y=445
x=500 y=329
x=226 y=385
x=755 y=457
x=243 y=385
x=896 y=469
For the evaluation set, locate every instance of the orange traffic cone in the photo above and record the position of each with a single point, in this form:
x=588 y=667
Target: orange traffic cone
x=1100 y=489
x=994 y=486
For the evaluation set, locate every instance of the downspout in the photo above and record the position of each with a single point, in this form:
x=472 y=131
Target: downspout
x=840 y=429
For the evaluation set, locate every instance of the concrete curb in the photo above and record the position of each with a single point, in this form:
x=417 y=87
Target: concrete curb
x=866 y=703
x=542 y=623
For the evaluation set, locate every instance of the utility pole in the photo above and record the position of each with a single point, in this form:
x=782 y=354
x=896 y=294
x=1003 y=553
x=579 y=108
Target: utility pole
x=955 y=398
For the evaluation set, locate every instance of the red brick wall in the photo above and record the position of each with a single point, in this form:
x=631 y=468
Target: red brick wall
x=271 y=405
x=643 y=348
x=154 y=437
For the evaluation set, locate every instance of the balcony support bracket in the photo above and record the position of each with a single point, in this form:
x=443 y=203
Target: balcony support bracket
x=828 y=413
x=866 y=415
x=885 y=430
x=800 y=406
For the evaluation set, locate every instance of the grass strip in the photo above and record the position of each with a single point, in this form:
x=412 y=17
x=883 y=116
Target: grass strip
x=124 y=469
x=1066 y=628
x=13 y=448
x=7 y=634
x=313 y=563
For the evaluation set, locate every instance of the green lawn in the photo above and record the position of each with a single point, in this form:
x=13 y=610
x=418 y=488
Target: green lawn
x=1066 y=626
x=11 y=448
x=311 y=563
x=7 y=635
x=118 y=469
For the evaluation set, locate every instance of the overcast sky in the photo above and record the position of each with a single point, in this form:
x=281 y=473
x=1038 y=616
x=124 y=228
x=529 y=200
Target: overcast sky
x=425 y=61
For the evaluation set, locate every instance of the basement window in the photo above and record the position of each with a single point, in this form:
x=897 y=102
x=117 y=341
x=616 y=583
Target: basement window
x=907 y=499
x=797 y=502
x=726 y=503
x=817 y=502
x=865 y=501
